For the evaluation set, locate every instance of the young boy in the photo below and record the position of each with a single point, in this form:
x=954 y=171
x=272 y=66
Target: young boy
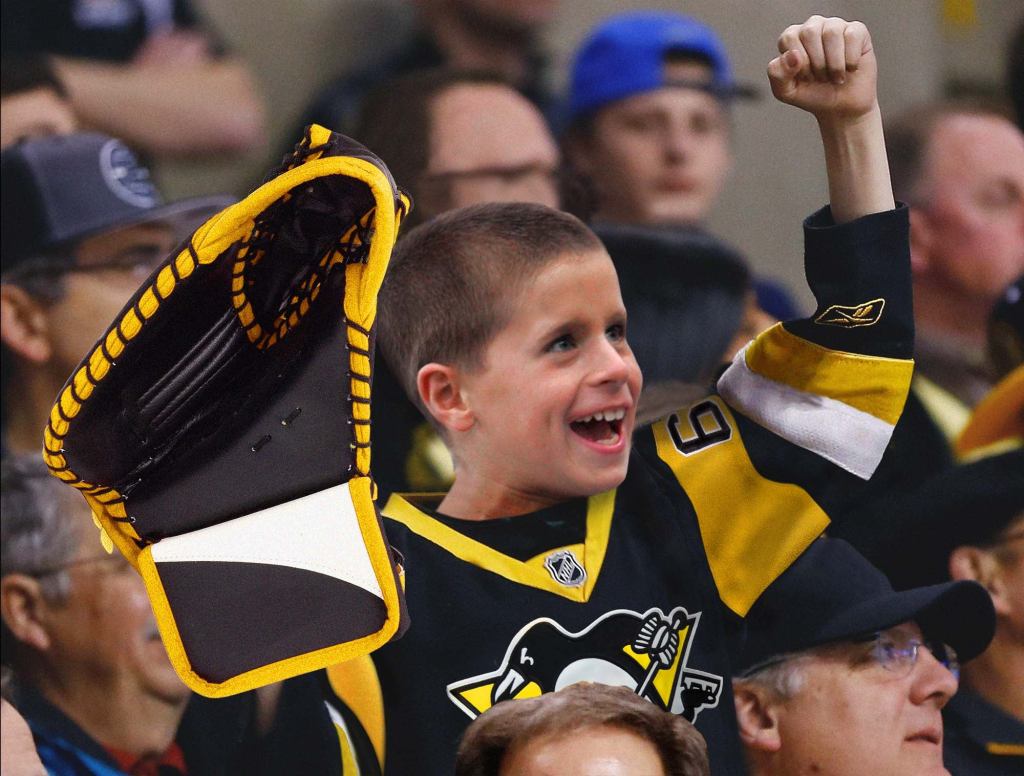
x=560 y=554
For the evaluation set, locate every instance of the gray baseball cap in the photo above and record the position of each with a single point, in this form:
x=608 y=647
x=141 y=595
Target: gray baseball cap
x=58 y=190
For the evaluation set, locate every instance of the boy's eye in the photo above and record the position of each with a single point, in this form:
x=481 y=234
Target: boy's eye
x=641 y=123
x=616 y=332
x=561 y=344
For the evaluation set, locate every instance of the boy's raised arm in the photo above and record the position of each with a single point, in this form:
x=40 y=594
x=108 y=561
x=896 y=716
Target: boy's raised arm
x=827 y=67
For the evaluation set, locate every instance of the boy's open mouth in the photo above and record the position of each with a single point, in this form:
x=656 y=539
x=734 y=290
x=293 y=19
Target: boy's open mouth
x=602 y=428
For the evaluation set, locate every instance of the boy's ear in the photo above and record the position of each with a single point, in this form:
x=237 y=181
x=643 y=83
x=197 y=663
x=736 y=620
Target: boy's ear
x=921 y=241
x=441 y=393
x=24 y=324
x=23 y=609
x=757 y=716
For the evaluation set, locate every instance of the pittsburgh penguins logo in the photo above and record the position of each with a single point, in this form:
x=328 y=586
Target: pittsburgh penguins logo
x=849 y=317
x=565 y=569
x=646 y=652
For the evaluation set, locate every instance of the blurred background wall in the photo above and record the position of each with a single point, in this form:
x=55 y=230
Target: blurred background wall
x=925 y=48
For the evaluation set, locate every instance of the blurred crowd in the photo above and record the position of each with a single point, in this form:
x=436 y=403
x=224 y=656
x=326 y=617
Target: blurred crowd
x=639 y=147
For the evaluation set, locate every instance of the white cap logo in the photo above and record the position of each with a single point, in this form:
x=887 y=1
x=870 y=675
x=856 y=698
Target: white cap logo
x=125 y=177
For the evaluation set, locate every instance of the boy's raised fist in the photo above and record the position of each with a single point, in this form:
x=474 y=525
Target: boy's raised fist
x=827 y=67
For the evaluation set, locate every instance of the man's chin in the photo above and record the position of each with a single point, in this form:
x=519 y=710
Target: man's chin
x=159 y=676
x=167 y=686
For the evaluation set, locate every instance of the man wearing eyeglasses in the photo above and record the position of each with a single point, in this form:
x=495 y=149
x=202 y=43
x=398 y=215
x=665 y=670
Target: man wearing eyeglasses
x=83 y=226
x=840 y=675
x=967 y=523
x=91 y=675
x=466 y=137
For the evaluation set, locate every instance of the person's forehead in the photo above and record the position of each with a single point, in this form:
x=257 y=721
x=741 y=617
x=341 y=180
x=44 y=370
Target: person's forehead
x=971 y=145
x=553 y=295
x=472 y=125
x=670 y=99
x=685 y=69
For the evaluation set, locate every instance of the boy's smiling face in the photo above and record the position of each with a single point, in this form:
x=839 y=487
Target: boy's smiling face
x=553 y=404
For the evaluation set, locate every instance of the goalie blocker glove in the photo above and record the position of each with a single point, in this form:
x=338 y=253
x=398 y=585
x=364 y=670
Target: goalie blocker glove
x=220 y=429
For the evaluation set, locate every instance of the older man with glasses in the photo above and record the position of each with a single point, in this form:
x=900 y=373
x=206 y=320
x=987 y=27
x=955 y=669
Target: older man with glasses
x=91 y=675
x=83 y=226
x=967 y=523
x=841 y=675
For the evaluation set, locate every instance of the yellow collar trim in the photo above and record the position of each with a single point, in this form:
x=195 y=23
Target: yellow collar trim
x=1011 y=750
x=599 y=524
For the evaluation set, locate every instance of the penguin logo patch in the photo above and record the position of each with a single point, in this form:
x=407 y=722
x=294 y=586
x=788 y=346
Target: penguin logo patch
x=565 y=569
x=646 y=652
x=849 y=317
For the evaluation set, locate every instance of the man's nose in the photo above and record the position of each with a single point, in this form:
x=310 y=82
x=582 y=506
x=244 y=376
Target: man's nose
x=678 y=142
x=932 y=681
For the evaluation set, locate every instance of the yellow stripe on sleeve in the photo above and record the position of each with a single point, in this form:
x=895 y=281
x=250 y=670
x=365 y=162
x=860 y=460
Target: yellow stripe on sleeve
x=872 y=384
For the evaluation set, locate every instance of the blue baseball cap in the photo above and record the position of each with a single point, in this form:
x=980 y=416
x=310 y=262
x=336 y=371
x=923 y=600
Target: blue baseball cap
x=625 y=55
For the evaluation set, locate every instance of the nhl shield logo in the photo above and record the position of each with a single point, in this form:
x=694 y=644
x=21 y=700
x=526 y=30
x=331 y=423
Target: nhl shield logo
x=565 y=569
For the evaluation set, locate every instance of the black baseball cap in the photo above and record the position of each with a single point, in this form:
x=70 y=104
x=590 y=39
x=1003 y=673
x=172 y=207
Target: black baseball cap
x=833 y=594
x=60 y=189
x=684 y=291
x=968 y=503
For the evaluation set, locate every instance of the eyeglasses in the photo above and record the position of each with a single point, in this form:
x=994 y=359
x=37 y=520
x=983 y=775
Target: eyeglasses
x=114 y=559
x=897 y=652
x=138 y=262
x=510 y=174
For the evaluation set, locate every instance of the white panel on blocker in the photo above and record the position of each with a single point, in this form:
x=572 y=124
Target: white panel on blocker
x=318 y=532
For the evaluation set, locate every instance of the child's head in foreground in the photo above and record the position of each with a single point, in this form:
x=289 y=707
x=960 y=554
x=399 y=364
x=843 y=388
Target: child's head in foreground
x=505 y=324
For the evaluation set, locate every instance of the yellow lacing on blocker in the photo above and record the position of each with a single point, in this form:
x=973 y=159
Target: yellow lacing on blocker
x=106 y=503
x=214 y=237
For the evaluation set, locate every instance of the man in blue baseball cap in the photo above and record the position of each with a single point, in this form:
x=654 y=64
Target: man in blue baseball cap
x=648 y=119
x=83 y=226
x=649 y=126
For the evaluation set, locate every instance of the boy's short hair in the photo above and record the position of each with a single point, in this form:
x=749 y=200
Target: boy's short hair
x=453 y=281
x=514 y=723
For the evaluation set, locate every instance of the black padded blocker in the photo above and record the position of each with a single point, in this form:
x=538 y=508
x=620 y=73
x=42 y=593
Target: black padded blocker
x=174 y=424
x=233 y=626
x=281 y=435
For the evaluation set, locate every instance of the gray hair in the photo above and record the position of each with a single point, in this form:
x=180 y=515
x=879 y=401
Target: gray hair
x=36 y=536
x=41 y=277
x=782 y=678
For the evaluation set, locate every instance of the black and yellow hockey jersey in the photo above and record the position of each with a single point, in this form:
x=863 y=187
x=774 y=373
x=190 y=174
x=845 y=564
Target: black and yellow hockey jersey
x=646 y=586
